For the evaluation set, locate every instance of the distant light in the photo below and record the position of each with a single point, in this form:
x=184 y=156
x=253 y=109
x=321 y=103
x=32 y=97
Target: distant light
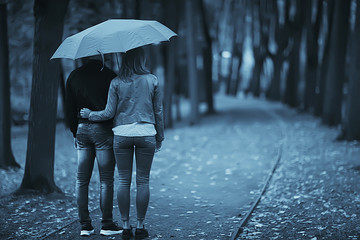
x=226 y=54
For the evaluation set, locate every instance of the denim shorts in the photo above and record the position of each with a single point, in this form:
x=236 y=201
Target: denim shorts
x=94 y=136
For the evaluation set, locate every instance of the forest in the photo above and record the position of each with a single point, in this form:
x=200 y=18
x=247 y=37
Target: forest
x=302 y=53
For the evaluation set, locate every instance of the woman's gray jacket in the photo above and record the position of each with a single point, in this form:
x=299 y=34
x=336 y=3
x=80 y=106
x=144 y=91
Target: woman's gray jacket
x=135 y=99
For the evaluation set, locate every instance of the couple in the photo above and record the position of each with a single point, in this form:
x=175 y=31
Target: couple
x=111 y=117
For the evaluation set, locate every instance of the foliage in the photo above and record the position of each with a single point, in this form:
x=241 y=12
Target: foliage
x=234 y=27
x=80 y=15
x=21 y=34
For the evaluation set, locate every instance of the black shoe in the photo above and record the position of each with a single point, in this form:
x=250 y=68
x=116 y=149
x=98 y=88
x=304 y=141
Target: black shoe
x=110 y=229
x=127 y=233
x=141 y=233
x=87 y=230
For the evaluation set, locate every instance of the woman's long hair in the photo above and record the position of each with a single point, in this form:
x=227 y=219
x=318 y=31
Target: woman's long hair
x=133 y=62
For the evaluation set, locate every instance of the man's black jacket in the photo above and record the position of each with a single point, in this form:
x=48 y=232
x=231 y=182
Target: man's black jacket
x=86 y=87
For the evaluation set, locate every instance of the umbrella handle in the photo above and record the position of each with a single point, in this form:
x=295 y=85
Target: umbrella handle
x=103 y=60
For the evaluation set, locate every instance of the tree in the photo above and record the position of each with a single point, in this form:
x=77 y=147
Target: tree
x=237 y=30
x=39 y=167
x=291 y=91
x=225 y=37
x=324 y=58
x=208 y=62
x=228 y=38
x=261 y=28
x=191 y=62
x=351 y=125
x=312 y=52
x=279 y=28
x=336 y=71
x=132 y=9
x=171 y=17
x=6 y=155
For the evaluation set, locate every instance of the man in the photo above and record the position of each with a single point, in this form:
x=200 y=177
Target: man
x=87 y=86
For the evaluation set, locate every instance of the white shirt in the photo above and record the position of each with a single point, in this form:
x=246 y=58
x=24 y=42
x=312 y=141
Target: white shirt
x=135 y=130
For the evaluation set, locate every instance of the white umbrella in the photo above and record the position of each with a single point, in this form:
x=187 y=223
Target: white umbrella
x=111 y=36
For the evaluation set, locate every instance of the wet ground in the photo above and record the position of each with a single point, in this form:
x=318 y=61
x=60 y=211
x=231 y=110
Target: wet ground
x=206 y=178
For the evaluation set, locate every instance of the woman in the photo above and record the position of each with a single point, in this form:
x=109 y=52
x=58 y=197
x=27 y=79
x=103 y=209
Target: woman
x=134 y=101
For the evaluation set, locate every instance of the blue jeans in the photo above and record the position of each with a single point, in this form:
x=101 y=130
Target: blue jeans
x=124 y=148
x=95 y=140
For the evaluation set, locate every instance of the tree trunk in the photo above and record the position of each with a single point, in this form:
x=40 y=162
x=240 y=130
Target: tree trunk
x=131 y=9
x=208 y=60
x=281 y=37
x=225 y=36
x=290 y=97
x=261 y=24
x=351 y=128
x=291 y=91
x=274 y=90
x=312 y=47
x=259 y=56
x=169 y=85
x=62 y=89
x=235 y=59
x=170 y=62
x=324 y=62
x=191 y=61
x=227 y=79
x=6 y=155
x=336 y=72
x=39 y=168
x=237 y=80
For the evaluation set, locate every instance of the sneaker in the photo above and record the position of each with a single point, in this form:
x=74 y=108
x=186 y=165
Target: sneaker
x=141 y=233
x=111 y=229
x=87 y=230
x=127 y=234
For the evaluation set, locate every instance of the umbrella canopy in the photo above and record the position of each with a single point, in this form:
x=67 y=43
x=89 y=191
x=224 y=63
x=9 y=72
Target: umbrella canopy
x=111 y=36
